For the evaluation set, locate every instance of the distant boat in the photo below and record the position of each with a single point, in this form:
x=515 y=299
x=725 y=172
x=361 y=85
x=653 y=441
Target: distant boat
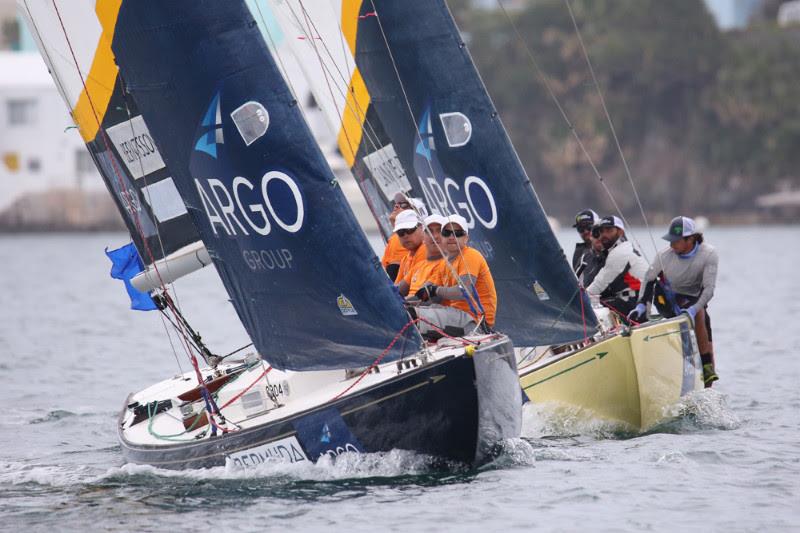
x=413 y=116
x=206 y=153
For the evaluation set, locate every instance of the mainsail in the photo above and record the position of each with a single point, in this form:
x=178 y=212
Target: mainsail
x=299 y=270
x=75 y=41
x=416 y=118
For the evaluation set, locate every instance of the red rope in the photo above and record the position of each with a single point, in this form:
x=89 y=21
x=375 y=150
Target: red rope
x=124 y=190
x=383 y=354
x=243 y=392
x=620 y=313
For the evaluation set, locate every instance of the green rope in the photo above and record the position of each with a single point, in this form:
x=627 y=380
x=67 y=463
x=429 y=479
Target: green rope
x=173 y=438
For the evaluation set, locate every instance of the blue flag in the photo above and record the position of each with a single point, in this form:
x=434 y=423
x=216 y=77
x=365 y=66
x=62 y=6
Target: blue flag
x=125 y=264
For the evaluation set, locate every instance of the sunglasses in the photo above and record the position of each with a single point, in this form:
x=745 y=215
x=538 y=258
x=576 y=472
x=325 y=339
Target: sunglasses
x=451 y=232
x=584 y=228
x=402 y=205
x=404 y=232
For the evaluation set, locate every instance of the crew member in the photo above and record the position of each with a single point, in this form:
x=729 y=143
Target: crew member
x=430 y=270
x=408 y=229
x=688 y=272
x=467 y=293
x=584 y=222
x=394 y=252
x=593 y=260
x=617 y=284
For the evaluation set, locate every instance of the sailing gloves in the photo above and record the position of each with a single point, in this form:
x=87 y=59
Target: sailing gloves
x=638 y=313
x=427 y=292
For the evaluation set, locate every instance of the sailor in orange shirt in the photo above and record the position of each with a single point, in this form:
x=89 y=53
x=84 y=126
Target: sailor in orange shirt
x=429 y=270
x=476 y=302
x=408 y=229
x=394 y=252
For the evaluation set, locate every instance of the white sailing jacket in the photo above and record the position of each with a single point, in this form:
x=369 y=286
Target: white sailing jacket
x=623 y=263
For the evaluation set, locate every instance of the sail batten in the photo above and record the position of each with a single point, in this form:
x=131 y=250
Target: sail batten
x=300 y=272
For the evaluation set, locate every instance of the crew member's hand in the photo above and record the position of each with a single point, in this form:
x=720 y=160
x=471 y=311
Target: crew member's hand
x=427 y=292
x=637 y=313
x=691 y=311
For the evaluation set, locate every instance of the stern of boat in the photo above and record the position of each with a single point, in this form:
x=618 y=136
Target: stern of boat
x=499 y=401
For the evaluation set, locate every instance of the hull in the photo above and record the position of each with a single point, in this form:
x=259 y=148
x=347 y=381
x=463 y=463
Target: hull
x=456 y=408
x=631 y=378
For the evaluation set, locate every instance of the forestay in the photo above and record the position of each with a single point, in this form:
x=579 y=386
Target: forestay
x=299 y=270
x=423 y=123
x=75 y=41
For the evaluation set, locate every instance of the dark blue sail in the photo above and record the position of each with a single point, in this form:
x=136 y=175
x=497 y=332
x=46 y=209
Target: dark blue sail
x=435 y=111
x=300 y=272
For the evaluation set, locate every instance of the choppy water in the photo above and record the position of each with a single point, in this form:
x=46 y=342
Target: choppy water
x=70 y=351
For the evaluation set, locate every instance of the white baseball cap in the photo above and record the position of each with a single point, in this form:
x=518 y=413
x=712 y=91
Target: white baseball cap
x=435 y=219
x=406 y=219
x=459 y=221
x=611 y=221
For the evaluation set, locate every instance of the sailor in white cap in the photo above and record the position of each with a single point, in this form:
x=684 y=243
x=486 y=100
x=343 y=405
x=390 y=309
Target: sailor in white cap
x=394 y=252
x=467 y=292
x=617 y=284
x=431 y=269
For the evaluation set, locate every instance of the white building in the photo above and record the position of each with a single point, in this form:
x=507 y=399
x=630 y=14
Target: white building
x=39 y=148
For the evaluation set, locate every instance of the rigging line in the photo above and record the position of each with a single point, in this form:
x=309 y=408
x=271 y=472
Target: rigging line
x=148 y=193
x=172 y=344
x=344 y=89
x=311 y=38
x=289 y=82
x=62 y=56
x=282 y=67
x=361 y=116
x=543 y=78
x=413 y=120
x=368 y=132
x=613 y=130
x=122 y=185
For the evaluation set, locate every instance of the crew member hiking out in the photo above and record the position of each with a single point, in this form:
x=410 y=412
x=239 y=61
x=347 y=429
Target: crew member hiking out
x=467 y=294
x=682 y=280
x=617 y=284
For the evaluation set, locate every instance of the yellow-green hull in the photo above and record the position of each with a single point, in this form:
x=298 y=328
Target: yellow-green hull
x=631 y=378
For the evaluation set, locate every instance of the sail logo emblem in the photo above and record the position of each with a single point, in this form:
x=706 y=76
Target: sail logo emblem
x=212 y=126
x=345 y=305
x=471 y=198
x=326 y=434
x=540 y=292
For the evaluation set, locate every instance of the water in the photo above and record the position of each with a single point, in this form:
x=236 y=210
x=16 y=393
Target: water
x=70 y=351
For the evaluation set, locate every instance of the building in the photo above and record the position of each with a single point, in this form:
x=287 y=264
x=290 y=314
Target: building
x=39 y=148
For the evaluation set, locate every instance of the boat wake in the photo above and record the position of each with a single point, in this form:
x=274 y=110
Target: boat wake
x=697 y=411
x=700 y=411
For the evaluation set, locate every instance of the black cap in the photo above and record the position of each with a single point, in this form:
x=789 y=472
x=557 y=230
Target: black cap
x=587 y=217
x=611 y=221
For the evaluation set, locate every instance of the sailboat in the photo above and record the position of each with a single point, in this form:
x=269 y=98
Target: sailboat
x=191 y=123
x=412 y=116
